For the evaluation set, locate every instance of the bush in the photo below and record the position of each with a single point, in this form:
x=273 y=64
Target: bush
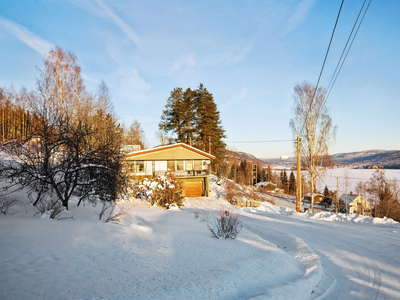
x=228 y=225
x=231 y=192
x=6 y=203
x=161 y=191
x=254 y=195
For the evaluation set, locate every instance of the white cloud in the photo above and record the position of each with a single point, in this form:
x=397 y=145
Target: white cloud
x=22 y=33
x=129 y=32
x=299 y=15
x=186 y=61
x=131 y=85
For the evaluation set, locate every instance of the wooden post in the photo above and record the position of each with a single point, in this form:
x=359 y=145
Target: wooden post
x=298 y=194
x=337 y=194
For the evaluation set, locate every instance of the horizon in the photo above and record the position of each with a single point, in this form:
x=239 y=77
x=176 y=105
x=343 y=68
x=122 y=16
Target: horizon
x=249 y=56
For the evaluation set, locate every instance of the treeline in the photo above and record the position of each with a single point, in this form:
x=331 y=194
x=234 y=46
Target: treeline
x=15 y=117
x=18 y=116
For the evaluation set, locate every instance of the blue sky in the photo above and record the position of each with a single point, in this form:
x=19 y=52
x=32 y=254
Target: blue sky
x=248 y=54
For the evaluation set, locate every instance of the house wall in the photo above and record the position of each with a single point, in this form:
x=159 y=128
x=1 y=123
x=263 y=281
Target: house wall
x=186 y=163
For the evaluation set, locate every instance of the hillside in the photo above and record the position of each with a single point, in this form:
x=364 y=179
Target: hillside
x=369 y=159
x=243 y=156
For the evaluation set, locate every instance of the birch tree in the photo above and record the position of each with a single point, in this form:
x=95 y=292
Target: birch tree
x=313 y=124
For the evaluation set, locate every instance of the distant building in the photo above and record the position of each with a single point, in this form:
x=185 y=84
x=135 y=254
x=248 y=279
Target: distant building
x=267 y=186
x=357 y=204
x=317 y=197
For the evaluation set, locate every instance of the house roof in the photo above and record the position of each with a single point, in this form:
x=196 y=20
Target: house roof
x=315 y=194
x=350 y=197
x=169 y=147
x=265 y=183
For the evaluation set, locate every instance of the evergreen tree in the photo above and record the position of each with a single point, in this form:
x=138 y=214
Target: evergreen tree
x=193 y=118
x=292 y=184
x=269 y=176
x=327 y=193
x=284 y=180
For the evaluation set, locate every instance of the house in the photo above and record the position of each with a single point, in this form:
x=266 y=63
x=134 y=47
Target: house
x=317 y=197
x=189 y=165
x=267 y=186
x=357 y=204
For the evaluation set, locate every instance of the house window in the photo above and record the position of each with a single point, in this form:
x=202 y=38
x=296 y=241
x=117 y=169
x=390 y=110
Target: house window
x=197 y=165
x=171 y=166
x=131 y=166
x=179 y=165
x=140 y=166
x=189 y=165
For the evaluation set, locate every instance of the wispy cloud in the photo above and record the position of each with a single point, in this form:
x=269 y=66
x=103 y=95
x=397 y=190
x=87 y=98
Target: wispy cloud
x=301 y=13
x=236 y=58
x=129 y=32
x=185 y=61
x=233 y=99
x=31 y=39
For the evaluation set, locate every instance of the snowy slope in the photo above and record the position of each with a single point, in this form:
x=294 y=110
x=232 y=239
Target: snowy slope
x=160 y=254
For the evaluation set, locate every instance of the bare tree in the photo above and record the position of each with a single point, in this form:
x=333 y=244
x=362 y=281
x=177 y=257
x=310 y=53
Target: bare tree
x=74 y=148
x=135 y=135
x=313 y=124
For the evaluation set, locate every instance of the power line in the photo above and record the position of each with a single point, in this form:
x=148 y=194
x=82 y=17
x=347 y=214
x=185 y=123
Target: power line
x=362 y=19
x=327 y=51
x=344 y=49
x=271 y=141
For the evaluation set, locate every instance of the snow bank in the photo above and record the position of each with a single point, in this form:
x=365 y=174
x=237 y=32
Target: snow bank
x=354 y=218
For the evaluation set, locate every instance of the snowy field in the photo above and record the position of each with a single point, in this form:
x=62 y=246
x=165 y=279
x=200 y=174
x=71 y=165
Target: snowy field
x=160 y=254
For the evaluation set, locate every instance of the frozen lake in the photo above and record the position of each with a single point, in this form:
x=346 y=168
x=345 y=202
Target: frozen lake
x=354 y=176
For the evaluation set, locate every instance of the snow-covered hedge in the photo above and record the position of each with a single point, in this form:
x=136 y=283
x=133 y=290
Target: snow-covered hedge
x=161 y=191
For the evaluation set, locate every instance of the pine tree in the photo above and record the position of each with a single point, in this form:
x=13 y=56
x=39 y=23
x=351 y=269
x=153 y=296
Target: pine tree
x=284 y=180
x=193 y=118
x=327 y=193
x=269 y=176
x=292 y=184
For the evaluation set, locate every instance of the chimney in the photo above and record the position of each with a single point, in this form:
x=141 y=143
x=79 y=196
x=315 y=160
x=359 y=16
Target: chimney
x=351 y=193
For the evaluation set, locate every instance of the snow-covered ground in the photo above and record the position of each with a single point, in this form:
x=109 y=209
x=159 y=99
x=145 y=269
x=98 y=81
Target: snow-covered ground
x=162 y=254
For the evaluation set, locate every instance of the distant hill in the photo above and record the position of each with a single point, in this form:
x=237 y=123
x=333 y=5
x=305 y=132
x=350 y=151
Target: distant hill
x=243 y=156
x=388 y=159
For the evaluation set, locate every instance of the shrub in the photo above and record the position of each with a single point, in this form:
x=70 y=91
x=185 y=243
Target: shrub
x=161 y=191
x=231 y=192
x=6 y=203
x=254 y=195
x=228 y=225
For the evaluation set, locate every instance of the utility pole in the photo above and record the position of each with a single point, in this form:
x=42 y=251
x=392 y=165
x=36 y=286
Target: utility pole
x=298 y=194
x=209 y=145
x=337 y=194
x=254 y=174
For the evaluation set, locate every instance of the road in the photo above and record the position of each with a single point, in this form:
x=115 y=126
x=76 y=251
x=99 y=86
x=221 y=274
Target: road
x=361 y=261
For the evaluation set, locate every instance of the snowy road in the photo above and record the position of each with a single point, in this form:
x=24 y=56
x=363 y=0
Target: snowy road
x=364 y=261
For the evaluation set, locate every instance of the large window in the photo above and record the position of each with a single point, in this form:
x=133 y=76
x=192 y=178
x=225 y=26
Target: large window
x=140 y=166
x=197 y=165
x=171 y=166
x=189 y=165
x=179 y=165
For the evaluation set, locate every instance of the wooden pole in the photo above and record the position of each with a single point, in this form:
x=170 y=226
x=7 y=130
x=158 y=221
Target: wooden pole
x=298 y=194
x=337 y=194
